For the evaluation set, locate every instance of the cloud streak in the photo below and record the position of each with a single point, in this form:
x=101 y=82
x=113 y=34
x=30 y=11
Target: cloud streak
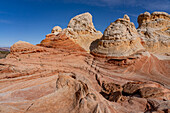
x=145 y=4
x=156 y=5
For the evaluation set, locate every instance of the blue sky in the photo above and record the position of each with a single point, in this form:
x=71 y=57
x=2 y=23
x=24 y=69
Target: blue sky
x=31 y=20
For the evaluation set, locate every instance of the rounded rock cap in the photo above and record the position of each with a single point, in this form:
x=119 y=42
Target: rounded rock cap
x=126 y=17
x=120 y=39
x=56 y=29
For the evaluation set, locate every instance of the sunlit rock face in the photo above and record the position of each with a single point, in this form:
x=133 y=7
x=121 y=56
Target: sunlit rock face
x=56 y=30
x=119 y=39
x=82 y=31
x=154 y=30
x=59 y=76
x=82 y=22
x=25 y=47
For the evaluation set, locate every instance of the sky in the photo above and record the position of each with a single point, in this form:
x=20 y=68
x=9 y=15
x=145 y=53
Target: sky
x=31 y=20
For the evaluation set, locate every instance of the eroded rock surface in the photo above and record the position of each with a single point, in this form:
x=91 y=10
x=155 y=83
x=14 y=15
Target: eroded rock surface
x=119 y=39
x=71 y=96
x=25 y=47
x=111 y=91
x=80 y=30
x=59 y=76
x=154 y=30
x=61 y=41
x=158 y=106
x=56 y=30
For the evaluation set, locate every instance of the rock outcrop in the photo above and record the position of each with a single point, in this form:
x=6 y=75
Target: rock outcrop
x=61 y=41
x=119 y=39
x=59 y=76
x=154 y=30
x=56 y=30
x=144 y=90
x=71 y=96
x=111 y=91
x=25 y=47
x=80 y=30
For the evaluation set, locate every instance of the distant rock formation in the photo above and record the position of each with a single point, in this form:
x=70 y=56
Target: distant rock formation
x=154 y=30
x=119 y=39
x=4 y=48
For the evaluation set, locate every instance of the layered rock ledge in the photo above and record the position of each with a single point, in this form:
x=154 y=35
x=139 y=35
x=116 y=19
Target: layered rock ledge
x=61 y=77
x=154 y=30
x=119 y=39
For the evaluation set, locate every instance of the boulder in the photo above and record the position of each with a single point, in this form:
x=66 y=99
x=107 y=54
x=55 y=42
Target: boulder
x=147 y=92
x=119 y=39
x=161 y=106
x=142 y=89
x=131 y=87
x=154 y=30
x=111 y=91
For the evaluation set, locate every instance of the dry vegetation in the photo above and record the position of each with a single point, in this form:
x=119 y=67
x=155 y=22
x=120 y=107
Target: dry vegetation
x=3 y=54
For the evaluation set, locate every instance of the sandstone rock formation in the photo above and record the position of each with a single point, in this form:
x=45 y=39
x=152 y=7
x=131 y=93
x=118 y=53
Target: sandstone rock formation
x=63 y=79
x=119 y=39
x=80 y=30
x=59 y=76
x=71 y=96
x=154 y=30
x=61 y=41
x=111 y=91
x=56 y=30
x=25 y=47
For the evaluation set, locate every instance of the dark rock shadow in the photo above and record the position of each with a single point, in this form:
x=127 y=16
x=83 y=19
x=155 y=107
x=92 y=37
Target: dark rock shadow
x=94 y=44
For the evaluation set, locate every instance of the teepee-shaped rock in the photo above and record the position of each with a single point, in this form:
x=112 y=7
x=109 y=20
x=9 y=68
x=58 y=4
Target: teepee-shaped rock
x=119 y=39
x=82 y=31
